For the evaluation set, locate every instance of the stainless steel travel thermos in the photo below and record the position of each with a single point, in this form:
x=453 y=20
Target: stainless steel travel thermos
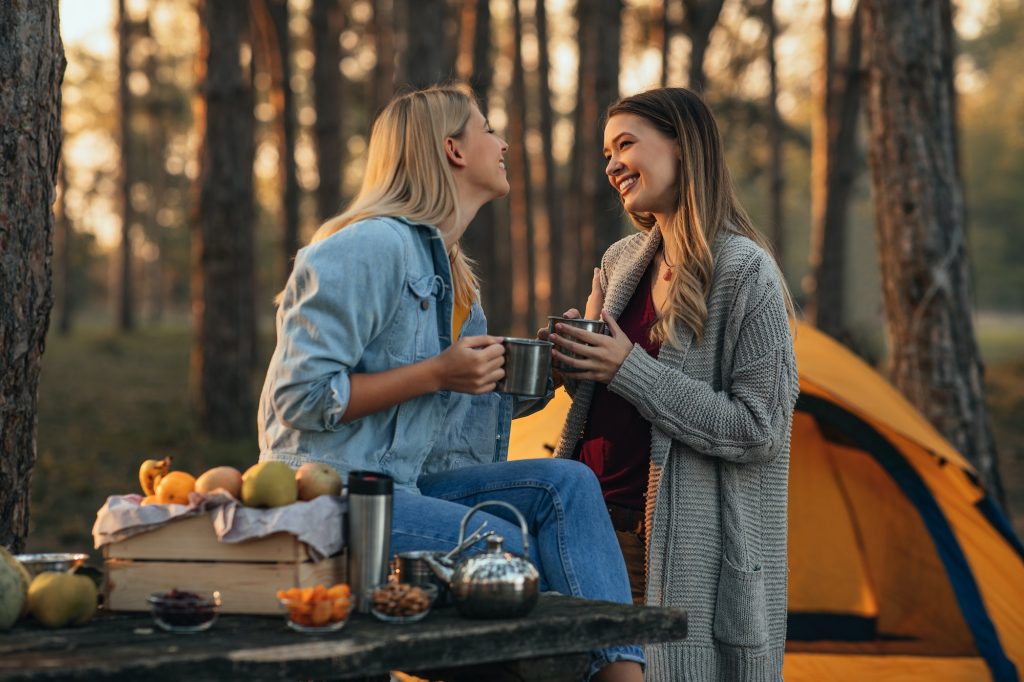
x=369 y=533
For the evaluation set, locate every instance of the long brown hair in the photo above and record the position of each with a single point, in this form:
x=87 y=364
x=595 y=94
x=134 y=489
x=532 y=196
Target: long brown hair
x=407 y=172
x=706 y=204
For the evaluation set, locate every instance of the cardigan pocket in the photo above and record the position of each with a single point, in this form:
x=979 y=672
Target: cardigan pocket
x=741 y=610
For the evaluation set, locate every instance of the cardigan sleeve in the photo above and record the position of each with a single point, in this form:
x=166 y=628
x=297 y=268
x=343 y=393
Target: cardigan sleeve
x=748 y=422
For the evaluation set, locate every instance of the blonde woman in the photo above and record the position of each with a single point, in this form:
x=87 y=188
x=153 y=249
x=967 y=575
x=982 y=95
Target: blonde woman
x=383 y=361
x=684 y=411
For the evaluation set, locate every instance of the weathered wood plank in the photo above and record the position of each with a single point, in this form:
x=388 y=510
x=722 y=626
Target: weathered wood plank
x=128 y=646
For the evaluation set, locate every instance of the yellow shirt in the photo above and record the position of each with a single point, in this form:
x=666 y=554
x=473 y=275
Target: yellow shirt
x=459 y=315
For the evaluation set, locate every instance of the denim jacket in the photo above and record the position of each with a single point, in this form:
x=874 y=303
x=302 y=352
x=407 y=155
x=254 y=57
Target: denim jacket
x=374 y=296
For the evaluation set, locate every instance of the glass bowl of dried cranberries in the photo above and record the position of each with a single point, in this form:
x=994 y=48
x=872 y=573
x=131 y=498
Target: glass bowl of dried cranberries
x=184 y=611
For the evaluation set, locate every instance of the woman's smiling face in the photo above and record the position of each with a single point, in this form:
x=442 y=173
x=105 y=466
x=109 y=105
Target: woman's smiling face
x=643 y=164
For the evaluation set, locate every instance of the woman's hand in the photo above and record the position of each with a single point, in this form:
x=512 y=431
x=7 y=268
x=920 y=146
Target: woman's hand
x=595 y=302
x=544 y=334
x=598 y=361
x=473 y=364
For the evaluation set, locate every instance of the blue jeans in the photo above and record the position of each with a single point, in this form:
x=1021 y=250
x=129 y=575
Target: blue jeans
x=571 y=541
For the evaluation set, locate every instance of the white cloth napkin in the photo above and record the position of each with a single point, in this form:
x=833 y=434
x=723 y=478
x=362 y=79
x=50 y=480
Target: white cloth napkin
x=318 y=523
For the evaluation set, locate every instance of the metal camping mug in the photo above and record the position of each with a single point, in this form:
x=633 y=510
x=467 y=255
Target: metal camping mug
x=412 y=568
x=595 y=326
x=527 y=367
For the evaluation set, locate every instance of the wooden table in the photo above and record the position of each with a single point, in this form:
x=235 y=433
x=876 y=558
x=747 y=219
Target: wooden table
x=549 y=645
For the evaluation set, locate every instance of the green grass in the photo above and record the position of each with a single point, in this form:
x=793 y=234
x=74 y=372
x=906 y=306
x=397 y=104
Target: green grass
x=107 y=402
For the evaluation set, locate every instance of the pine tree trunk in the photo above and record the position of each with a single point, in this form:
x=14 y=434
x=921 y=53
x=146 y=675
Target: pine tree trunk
x=384 y=44
x=608 y=219
x=422 y=61
x=919 y=207
x=666 y=40
x=284 y=104
x=328 y=23
x=223 y=282
x=552 y=212
x=834 y=169
x=31 y=70
x=481 y=240
x=521 y=196
x=775 y=177
x=125 y=300
x=594 y=218
x=699 y=19
x=577 y=237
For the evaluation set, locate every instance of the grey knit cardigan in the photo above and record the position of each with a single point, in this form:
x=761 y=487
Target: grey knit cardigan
x=721 y=413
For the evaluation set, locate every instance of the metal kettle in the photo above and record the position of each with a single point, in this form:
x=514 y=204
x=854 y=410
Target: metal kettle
x=495 y=584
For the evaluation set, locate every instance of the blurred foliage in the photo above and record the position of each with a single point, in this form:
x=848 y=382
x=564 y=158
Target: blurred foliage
x=992 y=148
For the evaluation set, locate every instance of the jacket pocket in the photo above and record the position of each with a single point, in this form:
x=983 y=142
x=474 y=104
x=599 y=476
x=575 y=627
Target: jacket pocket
x=406 y=341
x=741 y=610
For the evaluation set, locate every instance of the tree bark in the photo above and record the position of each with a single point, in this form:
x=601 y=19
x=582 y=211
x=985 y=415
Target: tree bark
x=125 y=300
x=422 y=61
x=834 y=170
x=223 y=282
x=919 y=208
x=524 y=271
x=31 y=70
x=699 y=18
x=328 y=23
x=279 y=59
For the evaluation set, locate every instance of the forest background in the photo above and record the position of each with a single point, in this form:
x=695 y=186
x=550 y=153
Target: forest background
x=115 y=383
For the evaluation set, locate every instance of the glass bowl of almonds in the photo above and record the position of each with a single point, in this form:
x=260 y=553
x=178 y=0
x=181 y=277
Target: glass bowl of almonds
x=402 y=602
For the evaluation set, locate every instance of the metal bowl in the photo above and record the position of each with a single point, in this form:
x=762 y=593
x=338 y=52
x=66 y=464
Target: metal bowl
x=61 y=562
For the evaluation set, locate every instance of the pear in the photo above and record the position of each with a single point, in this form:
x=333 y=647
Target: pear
x=316 y=479
x=269 y=484
x=14 y=580
x=58 y=600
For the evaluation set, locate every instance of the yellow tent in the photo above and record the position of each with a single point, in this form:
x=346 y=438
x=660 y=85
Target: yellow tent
x=900 y=566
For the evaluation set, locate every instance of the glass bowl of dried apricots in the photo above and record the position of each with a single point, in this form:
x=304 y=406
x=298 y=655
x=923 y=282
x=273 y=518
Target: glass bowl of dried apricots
x=316 y=609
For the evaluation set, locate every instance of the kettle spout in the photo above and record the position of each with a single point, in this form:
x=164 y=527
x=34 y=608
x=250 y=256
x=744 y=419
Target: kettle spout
x=444 y=570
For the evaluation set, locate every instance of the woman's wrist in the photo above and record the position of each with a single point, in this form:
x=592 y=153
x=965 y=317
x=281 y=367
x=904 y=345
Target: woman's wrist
x=433 y=374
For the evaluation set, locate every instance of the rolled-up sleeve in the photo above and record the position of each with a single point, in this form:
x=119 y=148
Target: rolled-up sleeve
x=341 y=295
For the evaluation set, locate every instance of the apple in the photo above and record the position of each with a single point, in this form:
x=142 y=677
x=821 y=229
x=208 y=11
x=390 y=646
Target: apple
x=316 y=479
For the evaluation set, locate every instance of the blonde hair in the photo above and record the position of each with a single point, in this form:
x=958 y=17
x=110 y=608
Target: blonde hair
x=407 y=172
x=706 y=204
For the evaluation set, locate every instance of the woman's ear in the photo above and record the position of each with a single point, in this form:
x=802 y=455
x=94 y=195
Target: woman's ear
x=454 y=152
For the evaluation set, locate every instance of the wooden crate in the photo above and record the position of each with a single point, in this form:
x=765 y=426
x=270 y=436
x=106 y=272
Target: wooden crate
x=186 y=555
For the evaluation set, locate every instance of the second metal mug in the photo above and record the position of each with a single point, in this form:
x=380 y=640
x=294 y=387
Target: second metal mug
x=527 y=367
x=595 y=326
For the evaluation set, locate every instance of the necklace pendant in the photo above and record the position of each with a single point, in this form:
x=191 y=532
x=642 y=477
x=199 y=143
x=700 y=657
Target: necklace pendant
x=668 y=275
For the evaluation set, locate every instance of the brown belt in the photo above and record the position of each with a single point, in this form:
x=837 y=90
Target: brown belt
x=626 y=520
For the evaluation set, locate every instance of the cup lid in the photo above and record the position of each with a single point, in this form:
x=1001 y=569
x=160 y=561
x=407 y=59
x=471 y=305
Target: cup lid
x=370 y=483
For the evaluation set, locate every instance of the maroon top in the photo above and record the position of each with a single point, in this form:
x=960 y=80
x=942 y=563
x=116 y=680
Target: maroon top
x=616 y=443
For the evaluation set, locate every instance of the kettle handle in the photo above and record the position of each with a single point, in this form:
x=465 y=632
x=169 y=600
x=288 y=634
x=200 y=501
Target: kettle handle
x=499 y=503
